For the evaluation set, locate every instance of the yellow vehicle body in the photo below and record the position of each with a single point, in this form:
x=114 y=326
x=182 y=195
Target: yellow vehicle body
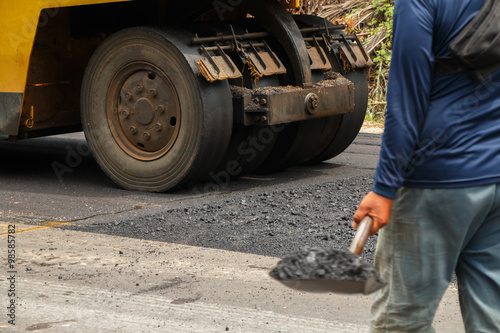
x=20 y=20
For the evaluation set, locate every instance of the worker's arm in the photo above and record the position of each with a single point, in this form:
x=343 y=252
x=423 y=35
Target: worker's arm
x=408 y=91
x=408 y=99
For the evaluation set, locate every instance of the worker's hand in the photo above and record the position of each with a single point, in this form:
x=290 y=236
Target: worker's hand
x=376 y=206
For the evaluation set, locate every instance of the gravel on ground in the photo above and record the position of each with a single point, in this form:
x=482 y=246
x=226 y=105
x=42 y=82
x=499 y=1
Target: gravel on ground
x=272 y=223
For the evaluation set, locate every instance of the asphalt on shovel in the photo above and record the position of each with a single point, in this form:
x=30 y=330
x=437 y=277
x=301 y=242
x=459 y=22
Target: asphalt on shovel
x=331 y=270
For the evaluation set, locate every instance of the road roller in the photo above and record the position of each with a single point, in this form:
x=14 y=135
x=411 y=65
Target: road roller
x=171 y=93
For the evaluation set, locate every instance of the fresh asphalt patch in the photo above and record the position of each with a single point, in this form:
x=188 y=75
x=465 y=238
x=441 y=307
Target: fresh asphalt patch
x=268 y=222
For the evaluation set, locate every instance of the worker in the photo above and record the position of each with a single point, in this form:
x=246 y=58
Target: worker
x=436 y=192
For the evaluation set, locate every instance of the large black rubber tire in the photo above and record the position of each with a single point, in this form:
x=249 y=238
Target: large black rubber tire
x=249 y=145
x=294 y=141
x=199 y=131
x=350 y=123
x=340 y=130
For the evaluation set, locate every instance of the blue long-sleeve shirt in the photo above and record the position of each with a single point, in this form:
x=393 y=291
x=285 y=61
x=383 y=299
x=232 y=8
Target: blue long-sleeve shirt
x=440 y=132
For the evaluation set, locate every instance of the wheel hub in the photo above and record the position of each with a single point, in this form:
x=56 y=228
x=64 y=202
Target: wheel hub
x=147 y=120
x=144 y=111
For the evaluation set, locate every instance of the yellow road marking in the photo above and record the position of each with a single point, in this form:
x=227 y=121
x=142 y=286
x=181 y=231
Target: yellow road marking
x=46 y=225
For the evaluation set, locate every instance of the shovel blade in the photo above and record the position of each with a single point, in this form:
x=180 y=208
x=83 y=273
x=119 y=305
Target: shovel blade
x=334 y=286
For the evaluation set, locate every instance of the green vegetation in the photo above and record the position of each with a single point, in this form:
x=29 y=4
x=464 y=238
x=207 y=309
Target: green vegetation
x=372 y=21
x=380 y=25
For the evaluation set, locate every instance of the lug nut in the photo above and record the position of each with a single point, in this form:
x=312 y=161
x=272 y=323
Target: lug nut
x=140 y=87
x=128 y=97
x=146 y=136
x=158 y=127
x=133 y=130
x=153 y=92
x=161 y=109
x=124 y=113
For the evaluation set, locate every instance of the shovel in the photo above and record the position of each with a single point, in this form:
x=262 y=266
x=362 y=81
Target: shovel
x=324 y=271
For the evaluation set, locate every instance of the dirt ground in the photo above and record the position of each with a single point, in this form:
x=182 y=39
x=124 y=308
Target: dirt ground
x=370 y=127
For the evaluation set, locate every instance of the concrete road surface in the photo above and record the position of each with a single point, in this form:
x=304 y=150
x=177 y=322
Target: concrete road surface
x=70 y=281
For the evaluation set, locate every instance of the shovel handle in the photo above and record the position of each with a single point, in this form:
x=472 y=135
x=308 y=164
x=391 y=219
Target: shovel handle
x=358 y=243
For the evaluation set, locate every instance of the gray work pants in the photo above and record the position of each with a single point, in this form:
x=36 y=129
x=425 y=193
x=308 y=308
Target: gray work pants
x=433 y=232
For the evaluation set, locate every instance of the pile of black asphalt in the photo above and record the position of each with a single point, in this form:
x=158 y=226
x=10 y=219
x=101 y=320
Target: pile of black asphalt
x=324 y=264
x=265 y=222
